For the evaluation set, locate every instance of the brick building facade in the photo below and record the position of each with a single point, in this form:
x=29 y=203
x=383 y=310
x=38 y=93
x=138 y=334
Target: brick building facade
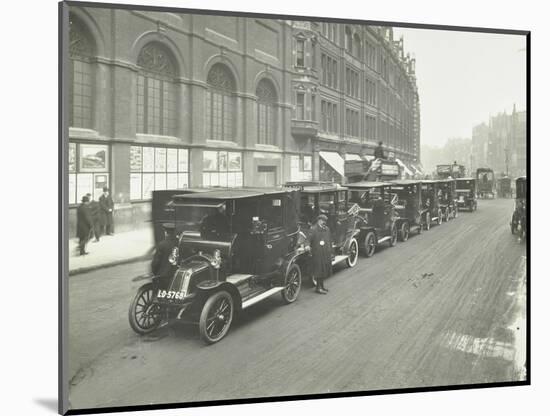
x=165 y=100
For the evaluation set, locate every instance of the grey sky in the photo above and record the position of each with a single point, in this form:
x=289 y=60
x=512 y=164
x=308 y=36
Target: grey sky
x=463 y=78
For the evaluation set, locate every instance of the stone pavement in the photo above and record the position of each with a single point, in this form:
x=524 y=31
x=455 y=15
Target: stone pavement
x=124 y=247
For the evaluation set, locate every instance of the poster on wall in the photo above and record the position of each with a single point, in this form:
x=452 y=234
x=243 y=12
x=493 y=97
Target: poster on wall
x=235 y=161
x=72 y=157
x=135 y=159
x=93 y=157
x=148 y=159
x=210 y=161
x=172 y=160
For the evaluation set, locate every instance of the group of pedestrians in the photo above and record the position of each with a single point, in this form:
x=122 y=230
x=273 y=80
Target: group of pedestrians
x=94 y=219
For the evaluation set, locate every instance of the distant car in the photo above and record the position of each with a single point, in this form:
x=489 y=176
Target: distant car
x=236 y=247
x=519 y=217
x=504 y=187
x=466 y=192
x=377 y=214
x=485 y=183
x=410 y=211
x=332 y=200
x=446 y=192
x=430 y=200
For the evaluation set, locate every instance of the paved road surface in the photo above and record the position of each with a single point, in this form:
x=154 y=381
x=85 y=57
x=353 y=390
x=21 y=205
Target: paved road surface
x=445 y=308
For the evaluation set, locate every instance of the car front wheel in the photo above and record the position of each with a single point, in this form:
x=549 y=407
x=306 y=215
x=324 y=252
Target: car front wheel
x=216 y=317
x=404 y=232
x=370 y=244
x=293 y=283
x=353 y=253
x=144 y=315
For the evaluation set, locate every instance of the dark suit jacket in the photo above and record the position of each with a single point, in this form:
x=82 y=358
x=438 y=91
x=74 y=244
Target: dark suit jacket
x=321 y=251
x=83 y=221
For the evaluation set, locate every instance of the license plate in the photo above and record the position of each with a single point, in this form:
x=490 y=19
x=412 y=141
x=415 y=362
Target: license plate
x=170 y=294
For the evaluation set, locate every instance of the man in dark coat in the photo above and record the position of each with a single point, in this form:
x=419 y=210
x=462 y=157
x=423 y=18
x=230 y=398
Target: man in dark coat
x=320 y=242
x=106 y=205
x=83 y=225
x=165 y=258
x=96 y=220
x=379 y=151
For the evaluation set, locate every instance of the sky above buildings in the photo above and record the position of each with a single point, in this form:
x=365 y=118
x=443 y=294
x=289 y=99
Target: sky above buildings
x=463 y=78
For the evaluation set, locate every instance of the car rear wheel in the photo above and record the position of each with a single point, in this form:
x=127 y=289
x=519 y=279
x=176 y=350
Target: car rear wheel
x=393 y=239
x=293 y=283
x=353 y=253
x=216 y=317
x=370 y=244
x=144 y=315
x=404 y=232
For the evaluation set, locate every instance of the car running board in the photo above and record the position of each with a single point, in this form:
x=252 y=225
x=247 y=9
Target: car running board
x=383 y=239
x=261 y=296
x=339 y=258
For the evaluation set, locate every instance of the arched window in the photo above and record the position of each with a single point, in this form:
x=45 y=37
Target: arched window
x=267 y=112
x=349 y=40
x=81 y=86
x=356 y=46
x=156 y=91
x=220 y=104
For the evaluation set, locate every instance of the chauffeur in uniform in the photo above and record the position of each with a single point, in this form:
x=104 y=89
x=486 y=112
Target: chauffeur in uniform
x=321 y=251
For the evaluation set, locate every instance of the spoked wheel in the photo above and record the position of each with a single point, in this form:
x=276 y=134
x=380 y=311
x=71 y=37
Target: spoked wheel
x=428 y=222
x=216 y=317
x=370 y=244
x=404 y=232
x=393 y=239
x=293 y=283
x=144 y=315
x=353 y=253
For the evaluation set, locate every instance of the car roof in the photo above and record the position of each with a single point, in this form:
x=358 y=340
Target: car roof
x=315 y=186
x=465 y=179
x=224 y=194
x=405 y=181
x=521 y=178
x=368 y=184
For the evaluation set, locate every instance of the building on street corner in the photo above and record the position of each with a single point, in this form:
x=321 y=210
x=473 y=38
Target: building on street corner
x=174 y=100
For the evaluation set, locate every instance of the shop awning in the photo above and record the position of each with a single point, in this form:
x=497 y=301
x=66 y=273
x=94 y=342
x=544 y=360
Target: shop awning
x=334 y=160
x=404 y=167
x=353 y=156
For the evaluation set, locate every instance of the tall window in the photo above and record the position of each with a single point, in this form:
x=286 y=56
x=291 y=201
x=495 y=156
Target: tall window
x=156 y=91
x=81 y=51
x=370 y=92
x=267 y=112
x=356 y=46
x=329 y=117
x=352 y=83
x=349 y=40
x=300 y=46
x=352 y=122
x=220 y=104
x=300 y=106
x=329 y=67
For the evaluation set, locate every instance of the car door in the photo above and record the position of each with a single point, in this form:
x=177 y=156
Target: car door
x=276 y=239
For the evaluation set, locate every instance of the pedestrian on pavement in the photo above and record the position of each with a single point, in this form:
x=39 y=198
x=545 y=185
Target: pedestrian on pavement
x=106 y=205
x=96 y=217
x=320 y=242
x=166 y=253
x=379 y=151
x=83 y=225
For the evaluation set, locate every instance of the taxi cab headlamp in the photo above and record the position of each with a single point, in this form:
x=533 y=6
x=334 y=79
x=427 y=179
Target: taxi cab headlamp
x=216 y=259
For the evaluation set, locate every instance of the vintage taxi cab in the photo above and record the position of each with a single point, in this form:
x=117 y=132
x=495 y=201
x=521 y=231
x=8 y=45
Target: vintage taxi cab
x=466 y=192
x=376 y=213
x=430 y=201
x=519 y=222
x=485 y=183
x=235 y=247
x=330 y=199
x=409 y=208
x=446 y=193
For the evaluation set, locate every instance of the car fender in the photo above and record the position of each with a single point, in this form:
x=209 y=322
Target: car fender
x=208 y=287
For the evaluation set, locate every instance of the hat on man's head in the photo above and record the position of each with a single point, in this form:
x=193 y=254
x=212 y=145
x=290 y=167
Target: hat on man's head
x=105 y=189
x=322 y=217
x=85 y=198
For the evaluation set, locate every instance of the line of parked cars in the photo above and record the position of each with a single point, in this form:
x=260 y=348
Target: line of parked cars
x=259 y=245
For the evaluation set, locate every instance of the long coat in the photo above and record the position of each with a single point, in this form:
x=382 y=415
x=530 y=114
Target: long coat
x=83 y=221
x=106 y=205
x=320 y=242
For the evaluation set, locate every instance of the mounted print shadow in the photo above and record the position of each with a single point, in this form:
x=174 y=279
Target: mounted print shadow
x=267 y=208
